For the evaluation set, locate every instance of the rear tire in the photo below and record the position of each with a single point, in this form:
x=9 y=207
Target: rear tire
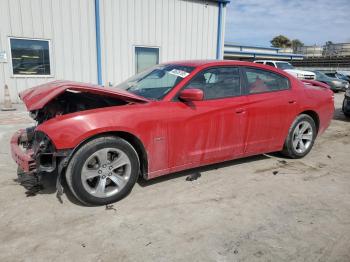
x=103 y=171
x=301 y=137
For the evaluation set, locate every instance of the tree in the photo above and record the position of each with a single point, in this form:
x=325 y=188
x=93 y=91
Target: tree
x=329 y=49
x=296 y=44
x=281 y=41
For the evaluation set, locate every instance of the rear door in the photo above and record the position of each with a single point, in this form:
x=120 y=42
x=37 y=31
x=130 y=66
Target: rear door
x=271 y=107
x=210 y=130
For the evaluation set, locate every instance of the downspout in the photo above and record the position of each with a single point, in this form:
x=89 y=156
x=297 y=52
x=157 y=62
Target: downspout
x=220 y=24
x=98 y=42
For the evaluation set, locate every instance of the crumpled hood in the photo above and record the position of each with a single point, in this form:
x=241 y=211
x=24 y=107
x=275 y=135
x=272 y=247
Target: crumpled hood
x=37 y=97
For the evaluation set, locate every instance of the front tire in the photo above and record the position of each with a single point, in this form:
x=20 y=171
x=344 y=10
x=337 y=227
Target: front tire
x=301 y=137
x=103 y=171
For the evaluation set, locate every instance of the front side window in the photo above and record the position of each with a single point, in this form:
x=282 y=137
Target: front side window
x=157 y=81
x=218 y=82
x=261 y=81
x=30 y=57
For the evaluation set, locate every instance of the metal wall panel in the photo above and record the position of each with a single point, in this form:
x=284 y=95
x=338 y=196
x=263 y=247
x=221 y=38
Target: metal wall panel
x=70 y=27
x=182 y=29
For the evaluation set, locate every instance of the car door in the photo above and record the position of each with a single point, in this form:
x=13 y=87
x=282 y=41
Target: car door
x=271 y=107
x=210 y=130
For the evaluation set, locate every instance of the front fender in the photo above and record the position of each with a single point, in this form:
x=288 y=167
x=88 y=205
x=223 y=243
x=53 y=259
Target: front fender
x=68 y=131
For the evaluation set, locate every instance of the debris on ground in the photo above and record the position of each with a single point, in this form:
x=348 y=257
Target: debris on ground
x=329 y=156
x=148 y=244
x=34 y=190
x=30 y=183
x=110 y=207
x=83 y=245
x=275 y=172
x=284 y=162
x=193 y=176
x=258 y=254
x=321 y=165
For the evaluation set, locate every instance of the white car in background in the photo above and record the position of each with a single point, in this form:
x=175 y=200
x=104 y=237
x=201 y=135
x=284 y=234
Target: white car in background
x=301 y=74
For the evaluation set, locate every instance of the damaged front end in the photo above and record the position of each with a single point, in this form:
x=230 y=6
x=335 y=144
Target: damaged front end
x=33 y=151
x=36 y=155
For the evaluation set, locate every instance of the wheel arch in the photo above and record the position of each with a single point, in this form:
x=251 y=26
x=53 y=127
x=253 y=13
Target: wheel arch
x=314 y=116
x=135 y=142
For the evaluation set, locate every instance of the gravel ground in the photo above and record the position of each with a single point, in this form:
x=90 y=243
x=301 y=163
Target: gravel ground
x=262 y=208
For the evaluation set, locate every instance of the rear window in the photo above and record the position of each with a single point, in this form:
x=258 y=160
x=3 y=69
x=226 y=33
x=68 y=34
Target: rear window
x=261 y=81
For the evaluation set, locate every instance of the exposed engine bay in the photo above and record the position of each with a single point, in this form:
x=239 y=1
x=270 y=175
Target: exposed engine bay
x=44 y=157
x=74 y=101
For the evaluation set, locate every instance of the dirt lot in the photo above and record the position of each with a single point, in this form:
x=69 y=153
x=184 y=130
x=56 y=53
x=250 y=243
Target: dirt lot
x=262 y=208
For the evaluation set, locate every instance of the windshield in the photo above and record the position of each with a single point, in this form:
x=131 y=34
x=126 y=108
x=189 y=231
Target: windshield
x=284 y=66
x=320 y=74
x=156 y=82
x=341 y=76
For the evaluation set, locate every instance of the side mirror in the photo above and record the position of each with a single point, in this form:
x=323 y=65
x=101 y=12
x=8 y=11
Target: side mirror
x=191 y=94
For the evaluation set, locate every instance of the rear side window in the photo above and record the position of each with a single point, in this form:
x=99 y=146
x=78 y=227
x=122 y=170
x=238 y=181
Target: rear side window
x=270 y=64
x=217 y=82
x=261 y=81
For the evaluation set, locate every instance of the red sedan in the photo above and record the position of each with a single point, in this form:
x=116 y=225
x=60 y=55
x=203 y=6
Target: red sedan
x=171 y=117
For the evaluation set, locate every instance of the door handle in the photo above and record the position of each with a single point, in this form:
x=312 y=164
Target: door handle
x=240 y=110
x=292 y=101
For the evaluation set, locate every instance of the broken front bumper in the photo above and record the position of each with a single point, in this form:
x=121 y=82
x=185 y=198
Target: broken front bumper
x=24 y=158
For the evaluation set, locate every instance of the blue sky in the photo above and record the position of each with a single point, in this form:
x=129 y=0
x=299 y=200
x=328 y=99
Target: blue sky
x=256 y=22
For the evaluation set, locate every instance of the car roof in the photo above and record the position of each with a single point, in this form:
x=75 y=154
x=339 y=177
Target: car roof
x=212 y=63
x=200 y=63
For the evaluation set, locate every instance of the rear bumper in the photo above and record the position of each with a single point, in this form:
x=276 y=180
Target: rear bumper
x=24 y=158
x=340 y=87
x=337 y=87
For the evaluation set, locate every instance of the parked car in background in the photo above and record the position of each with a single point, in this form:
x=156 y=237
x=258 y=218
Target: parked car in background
x=334 y=83
x=300 y=74
x=169 y=118
x=346 y=103
x=339 y=76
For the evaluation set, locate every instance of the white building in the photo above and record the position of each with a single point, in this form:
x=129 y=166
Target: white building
x=250 y=53
x=102 y=41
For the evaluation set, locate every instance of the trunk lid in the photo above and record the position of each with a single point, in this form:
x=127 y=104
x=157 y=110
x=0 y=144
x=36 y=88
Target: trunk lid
x=37 y=97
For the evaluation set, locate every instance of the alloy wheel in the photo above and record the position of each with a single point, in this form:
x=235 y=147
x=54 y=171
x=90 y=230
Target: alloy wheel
x=302 y=137
x=106 y=172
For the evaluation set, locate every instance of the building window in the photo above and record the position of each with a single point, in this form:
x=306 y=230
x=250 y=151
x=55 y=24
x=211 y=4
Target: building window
x=146 y=57
x=30 y=57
